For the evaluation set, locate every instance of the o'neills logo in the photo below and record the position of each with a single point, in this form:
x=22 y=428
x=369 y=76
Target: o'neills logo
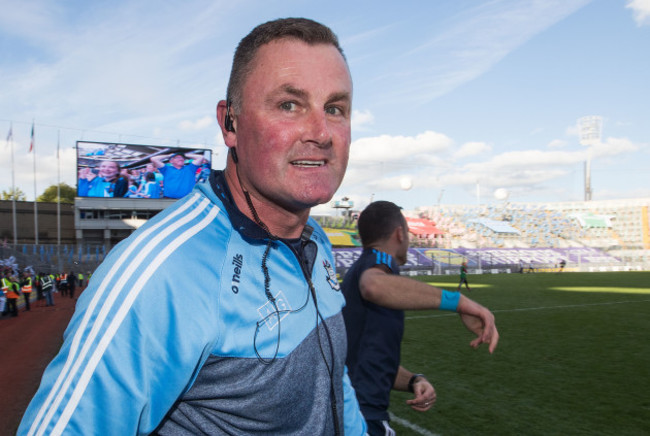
x=238 y=262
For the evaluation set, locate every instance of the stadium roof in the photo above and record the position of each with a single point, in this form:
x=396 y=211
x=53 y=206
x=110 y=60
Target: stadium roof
x=496 y=226
x=419 y=226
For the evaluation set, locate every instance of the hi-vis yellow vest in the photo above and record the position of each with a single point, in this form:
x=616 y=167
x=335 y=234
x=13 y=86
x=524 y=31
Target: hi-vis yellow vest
x=10 y=292
x=28 y=287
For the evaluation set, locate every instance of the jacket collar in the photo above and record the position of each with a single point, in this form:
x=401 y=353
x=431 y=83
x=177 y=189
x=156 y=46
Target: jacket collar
x=240 y=222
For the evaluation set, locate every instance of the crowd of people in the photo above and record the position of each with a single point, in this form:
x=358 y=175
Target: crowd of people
x=22 y=288
x=165 y=176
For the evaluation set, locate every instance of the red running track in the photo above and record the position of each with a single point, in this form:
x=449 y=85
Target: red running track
x=28 y=343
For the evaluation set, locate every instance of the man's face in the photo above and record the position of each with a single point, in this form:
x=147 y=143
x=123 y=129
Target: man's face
x=177 y=161
x=293 y=127
x=108 y=170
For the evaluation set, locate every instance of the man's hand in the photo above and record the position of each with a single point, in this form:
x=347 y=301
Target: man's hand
x=480 y=321
x=425 y=395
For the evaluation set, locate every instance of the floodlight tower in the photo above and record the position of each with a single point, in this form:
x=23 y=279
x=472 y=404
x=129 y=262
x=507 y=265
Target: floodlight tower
x=590 y=129
x=345 y=203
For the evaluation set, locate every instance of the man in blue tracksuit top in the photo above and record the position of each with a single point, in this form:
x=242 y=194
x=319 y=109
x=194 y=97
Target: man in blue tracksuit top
x=222 y=315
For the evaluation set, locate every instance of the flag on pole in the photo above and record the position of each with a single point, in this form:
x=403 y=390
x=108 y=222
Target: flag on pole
x=31 y=144
x=10 y=134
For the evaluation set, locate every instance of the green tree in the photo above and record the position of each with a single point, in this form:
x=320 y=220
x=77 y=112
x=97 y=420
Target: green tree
x=67 y=194
x=15 y=193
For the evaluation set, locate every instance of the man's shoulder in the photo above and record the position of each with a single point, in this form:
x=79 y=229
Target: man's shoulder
x=184 y=214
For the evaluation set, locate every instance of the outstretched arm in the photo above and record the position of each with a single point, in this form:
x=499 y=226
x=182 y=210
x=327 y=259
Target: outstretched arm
x=403 y=293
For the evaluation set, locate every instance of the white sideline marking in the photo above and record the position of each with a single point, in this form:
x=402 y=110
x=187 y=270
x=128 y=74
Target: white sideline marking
x=523 y=309
x=411 y=426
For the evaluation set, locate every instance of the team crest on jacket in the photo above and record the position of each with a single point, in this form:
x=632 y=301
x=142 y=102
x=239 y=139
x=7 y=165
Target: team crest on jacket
x=331 y=276
x=271 y=314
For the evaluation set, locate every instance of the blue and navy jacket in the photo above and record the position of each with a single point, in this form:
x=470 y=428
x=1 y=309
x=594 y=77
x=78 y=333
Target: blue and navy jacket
x=175 y=334
x=374 y=338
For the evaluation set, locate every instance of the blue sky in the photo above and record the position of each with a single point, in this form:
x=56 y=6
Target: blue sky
x=456 y=98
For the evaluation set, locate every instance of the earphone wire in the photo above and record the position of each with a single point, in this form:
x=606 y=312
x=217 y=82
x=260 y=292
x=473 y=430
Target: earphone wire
x=277 y=312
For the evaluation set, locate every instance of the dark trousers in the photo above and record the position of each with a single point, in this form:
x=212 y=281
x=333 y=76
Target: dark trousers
x=49 y=300
x=27 y=296
x=12 y=306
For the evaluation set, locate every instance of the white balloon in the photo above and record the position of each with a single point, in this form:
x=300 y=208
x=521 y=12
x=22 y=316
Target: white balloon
x=501 y=194
x=406 y=183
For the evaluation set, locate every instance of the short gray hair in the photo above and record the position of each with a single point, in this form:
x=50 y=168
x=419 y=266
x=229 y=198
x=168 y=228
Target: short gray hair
x=302 y=29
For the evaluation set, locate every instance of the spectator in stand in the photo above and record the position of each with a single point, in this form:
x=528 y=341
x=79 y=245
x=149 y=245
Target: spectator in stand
x=151 y=188
x=204 y=173
x=178 y=178
x=134 y=189
x=107 y=181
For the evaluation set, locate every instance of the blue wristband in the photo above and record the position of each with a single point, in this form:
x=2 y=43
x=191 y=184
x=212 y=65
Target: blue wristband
x=449 y=300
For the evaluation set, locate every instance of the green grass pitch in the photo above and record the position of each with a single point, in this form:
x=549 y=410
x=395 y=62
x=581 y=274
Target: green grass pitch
x=573 y=358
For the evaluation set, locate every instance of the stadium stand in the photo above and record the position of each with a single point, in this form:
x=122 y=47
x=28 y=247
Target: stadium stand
x=510 y=236
x=515 y=236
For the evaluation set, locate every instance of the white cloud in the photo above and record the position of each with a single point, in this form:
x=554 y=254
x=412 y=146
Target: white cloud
x=613 y=147
x=199 y=124
x=515 y=160
x=378 y=164
x=641 y=10
x=557 y=143
x=393 y=149
x=471 y=149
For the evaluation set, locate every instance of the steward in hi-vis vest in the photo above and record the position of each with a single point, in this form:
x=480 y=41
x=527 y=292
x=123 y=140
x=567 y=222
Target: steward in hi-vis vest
x=26 y=288
x=12 y=296
x=3 y=297
x=63 y=284
x=47 y=283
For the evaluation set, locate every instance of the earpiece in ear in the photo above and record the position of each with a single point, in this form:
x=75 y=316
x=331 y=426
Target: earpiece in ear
x=233 y=153
x=228 y=121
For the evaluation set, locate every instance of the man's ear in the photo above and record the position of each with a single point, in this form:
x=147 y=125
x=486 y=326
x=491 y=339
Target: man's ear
x=229 y=135
x=400 y=233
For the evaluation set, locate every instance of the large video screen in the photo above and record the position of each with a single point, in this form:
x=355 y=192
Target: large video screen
x=114 y=170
